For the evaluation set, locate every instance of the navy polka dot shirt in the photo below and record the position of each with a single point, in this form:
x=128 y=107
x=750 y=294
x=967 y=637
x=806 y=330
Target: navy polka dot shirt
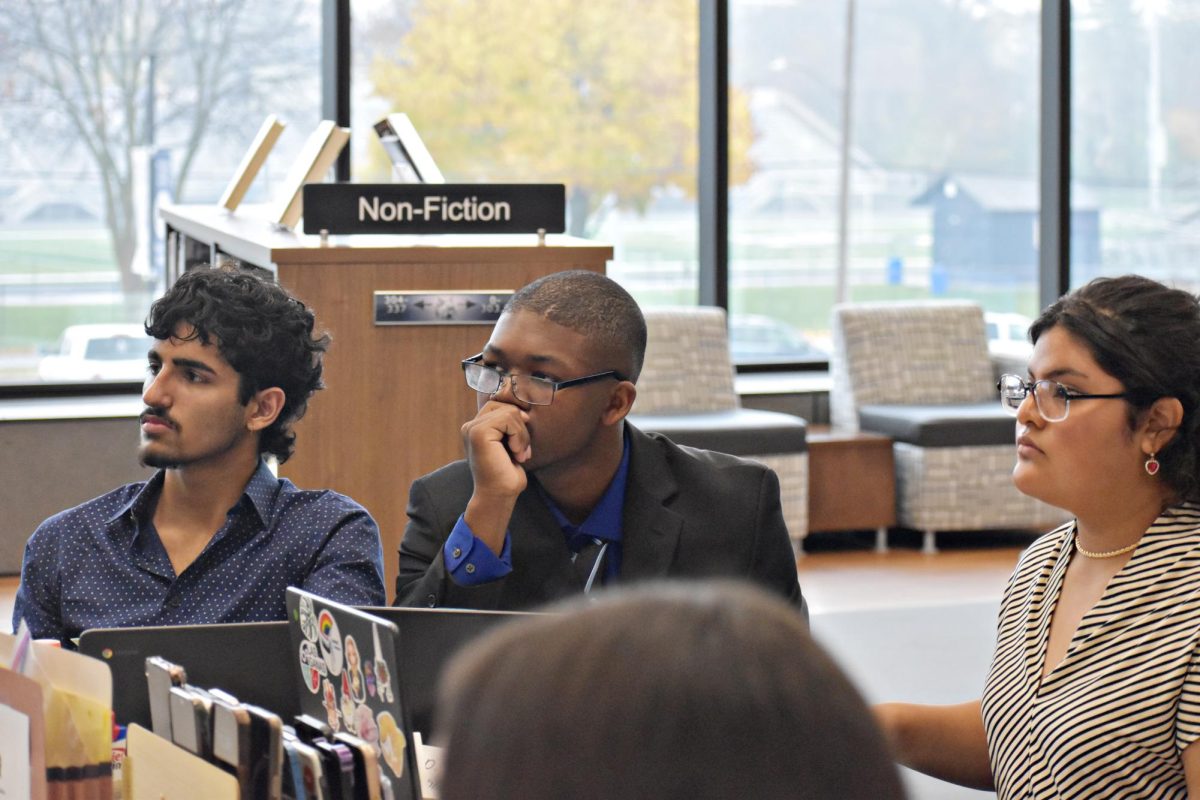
x=102 y=565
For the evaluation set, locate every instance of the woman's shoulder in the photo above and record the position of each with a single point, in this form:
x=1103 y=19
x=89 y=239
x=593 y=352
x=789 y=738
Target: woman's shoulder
x=1034 y=566
x=1048 y=545
x=1181 y=518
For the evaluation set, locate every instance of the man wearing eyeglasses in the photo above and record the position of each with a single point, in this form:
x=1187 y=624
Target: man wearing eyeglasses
x=558 y=494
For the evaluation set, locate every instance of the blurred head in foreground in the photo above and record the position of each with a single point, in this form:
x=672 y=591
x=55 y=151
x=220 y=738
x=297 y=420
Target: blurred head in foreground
x=687 y=691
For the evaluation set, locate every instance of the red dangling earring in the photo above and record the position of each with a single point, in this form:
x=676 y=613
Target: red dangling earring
x=1152 y=465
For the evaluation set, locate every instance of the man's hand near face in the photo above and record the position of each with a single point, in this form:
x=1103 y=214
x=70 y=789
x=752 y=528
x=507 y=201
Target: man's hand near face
x=497 y=444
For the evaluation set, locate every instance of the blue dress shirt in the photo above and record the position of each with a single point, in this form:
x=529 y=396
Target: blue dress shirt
x=470 y=562
x=102 y=564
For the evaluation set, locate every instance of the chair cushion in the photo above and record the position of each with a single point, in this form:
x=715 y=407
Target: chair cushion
x=738 y=432
x=687 y=368
x=958 y=425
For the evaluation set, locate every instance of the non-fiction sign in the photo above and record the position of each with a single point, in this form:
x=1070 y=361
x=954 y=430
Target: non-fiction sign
x=435 y=207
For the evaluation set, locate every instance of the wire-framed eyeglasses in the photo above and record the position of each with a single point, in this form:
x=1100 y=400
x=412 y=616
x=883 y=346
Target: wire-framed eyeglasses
x=526 y=388
x=1053 y=400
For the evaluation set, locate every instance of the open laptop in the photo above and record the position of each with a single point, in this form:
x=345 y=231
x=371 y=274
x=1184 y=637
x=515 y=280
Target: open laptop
x=252 y=660
x=429 y=638
x=247 y=659
x=344 y=673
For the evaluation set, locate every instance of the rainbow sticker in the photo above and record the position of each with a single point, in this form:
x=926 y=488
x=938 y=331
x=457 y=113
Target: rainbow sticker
x=330 y=640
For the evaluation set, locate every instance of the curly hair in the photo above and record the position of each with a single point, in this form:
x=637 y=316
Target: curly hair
x=264 y=333
x=1147 y=336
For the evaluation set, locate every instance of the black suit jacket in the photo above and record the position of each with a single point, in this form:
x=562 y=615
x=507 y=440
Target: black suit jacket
x=688 y=514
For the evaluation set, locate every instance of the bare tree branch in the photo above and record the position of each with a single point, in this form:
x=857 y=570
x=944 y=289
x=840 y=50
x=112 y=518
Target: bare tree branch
x=85 y=81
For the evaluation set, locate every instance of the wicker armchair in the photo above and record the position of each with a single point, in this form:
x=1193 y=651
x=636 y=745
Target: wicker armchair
x=920 y=373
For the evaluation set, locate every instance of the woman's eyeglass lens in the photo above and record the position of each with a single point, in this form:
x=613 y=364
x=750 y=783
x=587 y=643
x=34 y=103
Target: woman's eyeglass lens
x=1053 y=400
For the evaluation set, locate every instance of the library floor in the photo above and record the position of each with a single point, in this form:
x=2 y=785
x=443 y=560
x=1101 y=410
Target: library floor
x=908 y=626
x=842 y=572
x=905 y=625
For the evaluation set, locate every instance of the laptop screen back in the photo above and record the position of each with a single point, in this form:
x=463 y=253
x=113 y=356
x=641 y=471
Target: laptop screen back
x=246 y=659
x=344 y=671
x=253 y=660
x=429 y=638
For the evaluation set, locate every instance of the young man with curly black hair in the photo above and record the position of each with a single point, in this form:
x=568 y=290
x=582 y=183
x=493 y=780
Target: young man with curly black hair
x=213 y=536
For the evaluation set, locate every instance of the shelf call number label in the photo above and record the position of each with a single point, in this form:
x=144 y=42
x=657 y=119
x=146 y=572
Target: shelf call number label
x=440 y=308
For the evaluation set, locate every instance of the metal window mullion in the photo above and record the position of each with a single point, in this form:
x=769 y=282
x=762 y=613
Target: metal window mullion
x=713 y=166
x=1054 y=216
x=335 y=72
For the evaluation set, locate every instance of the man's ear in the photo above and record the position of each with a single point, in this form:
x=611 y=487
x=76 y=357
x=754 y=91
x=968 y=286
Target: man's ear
x=620 y=401
x=264 y=408
x=1160 y=423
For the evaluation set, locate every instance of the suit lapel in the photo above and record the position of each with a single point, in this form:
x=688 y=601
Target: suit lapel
x=538 y=546
x=650 y=530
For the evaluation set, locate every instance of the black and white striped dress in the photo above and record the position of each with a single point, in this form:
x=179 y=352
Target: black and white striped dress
x=1112 y=719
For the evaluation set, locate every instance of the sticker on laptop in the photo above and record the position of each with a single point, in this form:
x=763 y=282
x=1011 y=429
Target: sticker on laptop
x=313 y=666
x=383 y=681
x=364 y=726
x=347 y=711
x=308 y=619
x=330 y=703
x=392 y=742
x=354 y=670
x=369 y=670
x=330 y=640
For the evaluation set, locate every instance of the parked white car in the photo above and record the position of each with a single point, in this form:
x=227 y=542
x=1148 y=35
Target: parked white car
x=1008 y=333
x=112 y=352
x=757 y=337
x=1008 y=341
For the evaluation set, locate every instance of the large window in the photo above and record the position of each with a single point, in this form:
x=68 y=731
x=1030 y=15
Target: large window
x=1136 y=140
x=878 y=149
x=940 y=163
x=599 y=96
x=107 y=108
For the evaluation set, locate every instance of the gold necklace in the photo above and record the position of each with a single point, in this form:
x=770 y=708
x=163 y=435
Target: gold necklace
x=1107 y=554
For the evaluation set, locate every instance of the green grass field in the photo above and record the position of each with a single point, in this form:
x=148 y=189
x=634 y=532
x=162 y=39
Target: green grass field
x=84 y=251
x=27 y=330
x=32 y=327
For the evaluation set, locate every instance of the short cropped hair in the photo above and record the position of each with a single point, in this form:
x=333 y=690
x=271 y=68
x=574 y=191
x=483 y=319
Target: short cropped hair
x=264 y=333
x=591 y=304
x=685 y=691
x=1147 y=336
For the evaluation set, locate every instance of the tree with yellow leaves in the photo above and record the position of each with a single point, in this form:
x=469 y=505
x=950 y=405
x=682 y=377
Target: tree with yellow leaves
x=602 y=97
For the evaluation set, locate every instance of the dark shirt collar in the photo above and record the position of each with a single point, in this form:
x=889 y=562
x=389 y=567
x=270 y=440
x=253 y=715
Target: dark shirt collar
x=262 y=489
x=142 y=500
x=604 y=521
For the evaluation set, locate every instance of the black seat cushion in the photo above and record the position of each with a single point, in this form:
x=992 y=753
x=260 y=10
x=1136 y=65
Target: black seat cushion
x=738 y=432
x=958 y=425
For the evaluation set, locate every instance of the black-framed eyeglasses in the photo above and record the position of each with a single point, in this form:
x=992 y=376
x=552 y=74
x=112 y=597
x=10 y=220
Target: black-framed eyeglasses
x=526 y=388
x=1053 y=400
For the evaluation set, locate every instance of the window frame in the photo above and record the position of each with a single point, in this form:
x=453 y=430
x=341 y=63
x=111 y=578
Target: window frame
x=713 y=168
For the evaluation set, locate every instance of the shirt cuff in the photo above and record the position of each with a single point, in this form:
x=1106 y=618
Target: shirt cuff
x=470 y=562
